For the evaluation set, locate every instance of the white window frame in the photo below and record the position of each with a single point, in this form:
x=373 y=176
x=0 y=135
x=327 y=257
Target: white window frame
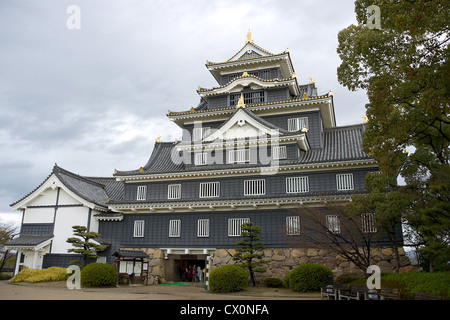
x=141 y=193
x=296 y=124
x=200 y=158
x=239 y=156
x=368 y=222
x=174 y=191
x=203 y=228
x=255 y=187
x=333 y=224
x=279 y=152
x=200 y=133
x=234 y=226
x=138 y=230
x=293 y=225
x=174 y=228
x=344 y=182
x=297 y=184
x=209 y=189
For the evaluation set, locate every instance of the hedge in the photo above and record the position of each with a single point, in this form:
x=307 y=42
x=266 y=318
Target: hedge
x=228 y=278
x=98 y=275
x=437 y=283
x=40 y=275
x=308 y=277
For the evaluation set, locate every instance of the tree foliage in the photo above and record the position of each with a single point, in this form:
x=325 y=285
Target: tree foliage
x=405 y=70
x=83 y=245
x=250 y=251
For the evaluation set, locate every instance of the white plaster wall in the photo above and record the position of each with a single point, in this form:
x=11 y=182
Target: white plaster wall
x=38 y=215
x=66 y=217
x=45 y=198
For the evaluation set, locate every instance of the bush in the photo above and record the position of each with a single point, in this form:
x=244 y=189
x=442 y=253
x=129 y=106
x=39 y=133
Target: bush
x=309 y=277
x=273 y=282
x=98 y=275
x=41 y=275
x=228 y=279
x=437 y=283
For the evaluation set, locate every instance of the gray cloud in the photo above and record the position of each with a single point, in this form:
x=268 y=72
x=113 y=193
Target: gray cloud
x=95 y=99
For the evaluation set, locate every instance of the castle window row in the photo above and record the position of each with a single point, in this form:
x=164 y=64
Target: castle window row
x=251 y=187
x=333 y=224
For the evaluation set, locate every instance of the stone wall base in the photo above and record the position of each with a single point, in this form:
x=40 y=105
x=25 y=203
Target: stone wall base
x=281 y=261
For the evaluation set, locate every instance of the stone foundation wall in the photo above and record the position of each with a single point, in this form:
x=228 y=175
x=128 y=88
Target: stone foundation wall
x=281 y=261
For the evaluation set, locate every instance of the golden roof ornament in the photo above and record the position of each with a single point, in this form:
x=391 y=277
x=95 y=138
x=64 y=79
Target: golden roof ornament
x=249 y=37
x=158 y=139
x=192 y=110
x=241 y=103
x=365 y=119
x=141 y=169
x=311 y=80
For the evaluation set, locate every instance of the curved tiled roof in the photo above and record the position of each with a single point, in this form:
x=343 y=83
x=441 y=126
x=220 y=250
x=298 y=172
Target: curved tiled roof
x=94 y=190
x=340 y=144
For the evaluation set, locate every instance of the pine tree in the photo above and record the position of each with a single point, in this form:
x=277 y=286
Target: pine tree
x=249 y=253
x=82 y=244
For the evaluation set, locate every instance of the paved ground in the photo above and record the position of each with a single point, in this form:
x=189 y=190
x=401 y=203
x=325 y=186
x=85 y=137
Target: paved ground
x=59 y=291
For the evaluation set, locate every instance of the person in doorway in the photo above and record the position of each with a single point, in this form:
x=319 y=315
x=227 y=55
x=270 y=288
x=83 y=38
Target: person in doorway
x=194 y=274
x=200 y=274
x=189 y=274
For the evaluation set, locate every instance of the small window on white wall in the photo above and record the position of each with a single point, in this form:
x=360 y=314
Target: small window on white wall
x=200 y=159
x=297 y=184
x=203 y=228
x=255 y=187
x=174 y=191
x=174 y=228
x=141 y=193
x=344 y=181
x=293 y=225
x=234 y=226
x=138 y=229
x=333 y=224
x=279 y=152
x=296 y=124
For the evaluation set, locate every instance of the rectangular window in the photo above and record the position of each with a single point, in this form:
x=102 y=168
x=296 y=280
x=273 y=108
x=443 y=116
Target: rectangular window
x=297 y=185
x=200 y=158
x=141 y=193
x=344 y=181
x=138 y=228
x=239 y=156
x=293 y=226
x=279 y=152
x=368 y=223
x=200 y=133
x=174 y=191
x=234 y=226
x=333 y=224
x=209 y=189
x=174 y=228
x=255 y=187
x=203 y=228
x=296 y=124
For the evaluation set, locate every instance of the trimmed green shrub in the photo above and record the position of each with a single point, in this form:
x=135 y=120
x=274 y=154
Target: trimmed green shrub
x=98 y=275
x=40 y=275
x=437 y=283
x=228 y=279
x=309 y=277
x=273 y=282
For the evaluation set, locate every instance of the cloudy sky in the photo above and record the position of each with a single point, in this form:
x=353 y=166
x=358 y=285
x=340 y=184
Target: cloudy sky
x=93 y=99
